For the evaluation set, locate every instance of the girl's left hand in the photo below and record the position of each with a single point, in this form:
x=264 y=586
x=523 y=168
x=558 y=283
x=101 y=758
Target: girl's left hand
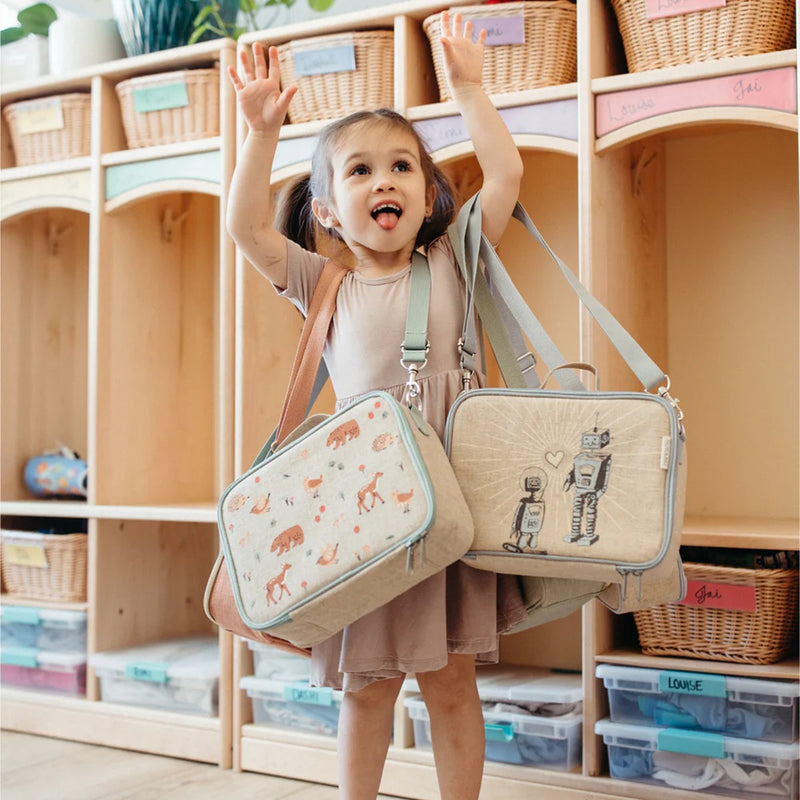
x=463 y=58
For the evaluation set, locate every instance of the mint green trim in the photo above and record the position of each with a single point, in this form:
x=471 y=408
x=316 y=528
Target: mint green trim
x=694 y=683
x=151 y=671
x=24 y=615
x=696 y=743
x=122 y=178
x=499 y=732
x=670 y=488
x=409 y=540
x=20 y=656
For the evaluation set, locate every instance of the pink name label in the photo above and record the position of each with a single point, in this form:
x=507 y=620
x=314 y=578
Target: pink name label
x=727 y=596
x=500 y=30
x=673 y=8
x=773 y=89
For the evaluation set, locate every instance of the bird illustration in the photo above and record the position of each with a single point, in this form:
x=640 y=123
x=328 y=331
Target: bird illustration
x=402 y=499
x=311 y=485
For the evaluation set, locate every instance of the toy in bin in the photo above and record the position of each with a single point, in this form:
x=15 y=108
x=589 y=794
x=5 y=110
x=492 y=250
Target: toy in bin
x=57 y=473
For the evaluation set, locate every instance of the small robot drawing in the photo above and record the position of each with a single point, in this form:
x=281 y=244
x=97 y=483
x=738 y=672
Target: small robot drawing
x=589 y=477
x=529 y=517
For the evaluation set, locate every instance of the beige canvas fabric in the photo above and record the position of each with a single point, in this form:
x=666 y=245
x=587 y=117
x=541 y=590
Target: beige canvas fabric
x=568 y=487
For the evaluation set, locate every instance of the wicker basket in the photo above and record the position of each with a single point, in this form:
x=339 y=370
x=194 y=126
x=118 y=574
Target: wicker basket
x=547 y=57
x=760 y=637
x=198 y=119
x=63 y=128
x=328 y=95
x=739 y=28
x=62 y=579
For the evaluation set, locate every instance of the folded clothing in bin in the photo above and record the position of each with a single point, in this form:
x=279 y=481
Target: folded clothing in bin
x=173 y=675
x=31 y=668
x=748 y=707
x=271 y=662
x=294 y=705
x=697 y=762
x=531 y=716
x=58 y=630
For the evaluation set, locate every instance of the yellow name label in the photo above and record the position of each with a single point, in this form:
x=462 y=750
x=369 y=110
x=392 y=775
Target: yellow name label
x=25 y=555
x=41 y=115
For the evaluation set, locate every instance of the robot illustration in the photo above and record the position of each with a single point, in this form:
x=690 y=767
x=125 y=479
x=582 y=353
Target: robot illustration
x=529 y=517
x=589 y=475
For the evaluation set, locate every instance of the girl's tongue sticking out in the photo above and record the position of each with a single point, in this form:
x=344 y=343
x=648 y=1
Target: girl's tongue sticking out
x=387 y=215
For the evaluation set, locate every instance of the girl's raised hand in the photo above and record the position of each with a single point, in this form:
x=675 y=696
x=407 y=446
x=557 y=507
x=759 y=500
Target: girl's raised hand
x=258 y=90
x=463 y=58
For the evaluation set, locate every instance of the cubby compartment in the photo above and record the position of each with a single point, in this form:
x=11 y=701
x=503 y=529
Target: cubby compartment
x=45 y=338
x=157 y=352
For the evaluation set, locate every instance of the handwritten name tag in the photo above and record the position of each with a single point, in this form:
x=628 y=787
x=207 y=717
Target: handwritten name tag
x=673 y=8
x=160 y=98
x=39 y=116
x=773 y=89
x=339 y=57
x=727 y=596
x=25 y=555
x=500 y=30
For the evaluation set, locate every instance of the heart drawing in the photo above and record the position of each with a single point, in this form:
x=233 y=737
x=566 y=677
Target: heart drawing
x=554 y=458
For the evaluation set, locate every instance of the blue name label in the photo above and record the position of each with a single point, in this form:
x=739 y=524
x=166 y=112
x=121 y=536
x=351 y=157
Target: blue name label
x=315 y=695
x=147 y=671
x=696 y=743
x=338 y=58
x=696 y=683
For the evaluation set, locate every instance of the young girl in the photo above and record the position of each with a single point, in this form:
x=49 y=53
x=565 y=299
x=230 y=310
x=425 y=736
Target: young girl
x=374 y=189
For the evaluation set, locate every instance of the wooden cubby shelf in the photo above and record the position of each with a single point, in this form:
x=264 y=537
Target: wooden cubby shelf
x=133 y=332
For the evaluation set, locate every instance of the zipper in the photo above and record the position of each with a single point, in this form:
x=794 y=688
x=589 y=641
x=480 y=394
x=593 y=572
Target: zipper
x=625 y=573
x=410 y=549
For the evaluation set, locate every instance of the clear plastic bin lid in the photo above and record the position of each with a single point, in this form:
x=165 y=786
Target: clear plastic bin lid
x=192 y=658
x=33 y=658
x=52 y=617
x=642 y=679
x=699 y=743
x=292 y=691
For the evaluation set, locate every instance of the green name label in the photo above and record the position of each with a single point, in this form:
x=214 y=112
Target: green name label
x=159 y=98
x=696 y=743
x=147 y=671
x=697 y=683
x=316 y=695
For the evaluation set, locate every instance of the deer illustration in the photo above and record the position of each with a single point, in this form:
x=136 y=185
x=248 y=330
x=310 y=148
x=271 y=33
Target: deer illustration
x=279 y=581
x=371 y=490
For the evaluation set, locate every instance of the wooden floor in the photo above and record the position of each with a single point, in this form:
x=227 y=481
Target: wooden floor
x=38 y=768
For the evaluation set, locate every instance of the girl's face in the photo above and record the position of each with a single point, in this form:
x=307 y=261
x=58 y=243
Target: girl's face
x=379 y=198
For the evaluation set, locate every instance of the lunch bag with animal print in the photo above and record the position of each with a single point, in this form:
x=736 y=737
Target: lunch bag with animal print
x=346 y=512
x=567 y=483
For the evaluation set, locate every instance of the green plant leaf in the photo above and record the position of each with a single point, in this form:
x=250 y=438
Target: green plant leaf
x=8 y=35
x=320 y=5
x=37 y=18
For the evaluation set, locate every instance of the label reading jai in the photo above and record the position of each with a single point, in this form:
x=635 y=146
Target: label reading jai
x=727 y=596
x=674 y=8
x=336 y=58
x=40 y=116
x=25 y=555
x=159 y=98
x=695 y=683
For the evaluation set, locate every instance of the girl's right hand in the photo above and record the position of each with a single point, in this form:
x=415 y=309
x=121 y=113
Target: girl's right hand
x=261 y=101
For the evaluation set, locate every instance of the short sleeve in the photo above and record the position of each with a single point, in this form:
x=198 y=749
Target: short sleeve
x=303 y=269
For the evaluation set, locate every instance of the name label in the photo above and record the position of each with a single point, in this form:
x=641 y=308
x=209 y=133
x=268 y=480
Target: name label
x=320 y=61
x=773 y=89
x=695 y=683
x=500 y=30
x=40 y=116
x=25 y=555
x=160 y=98
x=673 y=8
x=727 y=596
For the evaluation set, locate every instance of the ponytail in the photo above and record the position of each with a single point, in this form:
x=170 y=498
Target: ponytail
x=294 y=217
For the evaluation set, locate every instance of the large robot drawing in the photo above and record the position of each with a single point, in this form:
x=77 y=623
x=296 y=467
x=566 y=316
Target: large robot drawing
x=589 y=477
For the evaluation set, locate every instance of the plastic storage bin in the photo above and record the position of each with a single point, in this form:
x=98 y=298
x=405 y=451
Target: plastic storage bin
x=174 y=675
x=30 y=668
x=270 y=662
x=53 y=629
x=746 y=707
x=293 y=705
x=699 y=762
x=533 y=740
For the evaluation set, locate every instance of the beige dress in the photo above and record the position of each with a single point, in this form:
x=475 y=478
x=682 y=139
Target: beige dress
x=461 y=609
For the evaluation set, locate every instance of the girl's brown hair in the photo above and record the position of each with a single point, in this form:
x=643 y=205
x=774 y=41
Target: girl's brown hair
x=296 y=220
